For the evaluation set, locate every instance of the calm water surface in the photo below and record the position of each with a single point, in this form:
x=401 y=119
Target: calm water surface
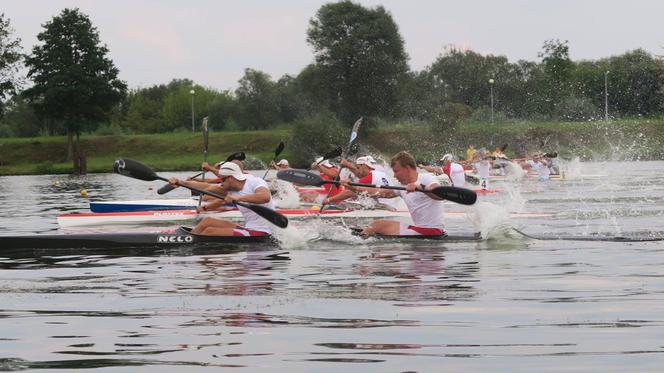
x=323 y=301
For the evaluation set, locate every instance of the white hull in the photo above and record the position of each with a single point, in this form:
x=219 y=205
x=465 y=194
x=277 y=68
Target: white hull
x=168 y=216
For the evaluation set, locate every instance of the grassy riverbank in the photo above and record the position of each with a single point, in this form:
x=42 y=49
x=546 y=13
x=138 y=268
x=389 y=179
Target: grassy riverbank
x=616 y=140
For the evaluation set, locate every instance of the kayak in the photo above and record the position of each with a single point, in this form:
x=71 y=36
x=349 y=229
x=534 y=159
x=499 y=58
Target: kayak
x=173 y=238
x=163 y=216
x=478 y=237
x=470 y=237
x=144 y=205
x=472 y=177
x=169 y=216
x=182 y=237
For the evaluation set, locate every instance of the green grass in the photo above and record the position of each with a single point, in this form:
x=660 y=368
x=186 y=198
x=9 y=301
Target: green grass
x=637 y=138
x=172 y=151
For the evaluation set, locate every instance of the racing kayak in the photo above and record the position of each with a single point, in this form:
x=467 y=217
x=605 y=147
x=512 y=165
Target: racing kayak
x=168 y=216
x=173 y=238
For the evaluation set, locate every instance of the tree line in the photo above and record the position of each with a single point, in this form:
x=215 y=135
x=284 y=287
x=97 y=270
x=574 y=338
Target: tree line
x=360 y=68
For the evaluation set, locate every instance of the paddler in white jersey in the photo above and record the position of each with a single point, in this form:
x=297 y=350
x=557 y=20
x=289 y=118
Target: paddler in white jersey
x=238 y=187
x=426 y=209
x=365 y=169
x=453 y=170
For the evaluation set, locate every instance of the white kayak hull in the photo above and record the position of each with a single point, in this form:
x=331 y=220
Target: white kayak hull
x=179 y=216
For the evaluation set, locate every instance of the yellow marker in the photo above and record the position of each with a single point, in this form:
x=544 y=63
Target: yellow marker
x=84 y=193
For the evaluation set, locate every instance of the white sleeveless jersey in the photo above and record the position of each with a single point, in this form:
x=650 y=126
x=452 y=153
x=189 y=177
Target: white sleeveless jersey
x=251 y=219
x=425 y=211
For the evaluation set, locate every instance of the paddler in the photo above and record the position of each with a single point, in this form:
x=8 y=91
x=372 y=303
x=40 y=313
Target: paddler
x=328 y=172
x=426 y=209
x=453 y=170
x=281 y=165
x=237 y=186
x=365 y=169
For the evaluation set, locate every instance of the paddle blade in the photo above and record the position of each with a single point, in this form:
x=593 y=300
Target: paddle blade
x=279 y=149
x=268 y=214
x=134 y=169
x=165 y=189
x=205 y=133
x=356 y=128
x=336 y=152
x=300 y=177
x=459 y=195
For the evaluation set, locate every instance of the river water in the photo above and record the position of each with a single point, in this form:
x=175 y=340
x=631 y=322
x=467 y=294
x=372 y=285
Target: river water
x=325 y=301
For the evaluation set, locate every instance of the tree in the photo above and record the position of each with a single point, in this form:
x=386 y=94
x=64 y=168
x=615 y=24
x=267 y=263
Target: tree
x=557 y=67
x=75 y=83
x=361 y=53
x=10 y=58
x=259 y=107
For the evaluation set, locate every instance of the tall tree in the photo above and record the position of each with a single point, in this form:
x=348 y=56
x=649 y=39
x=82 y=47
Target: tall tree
x=362 y=55
x=10 y=58
x=557 y=67
x=75 y=83
x=259 y=107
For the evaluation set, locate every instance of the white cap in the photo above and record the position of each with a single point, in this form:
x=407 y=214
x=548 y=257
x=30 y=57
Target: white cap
x=447 y=157
x=231 y=169
x=283 y=162
x=324 y=163
x=367 y=160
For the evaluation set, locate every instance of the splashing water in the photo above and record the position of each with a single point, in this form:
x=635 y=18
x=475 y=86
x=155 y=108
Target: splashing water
x=298 y=235
x=287 y=197
x=485 y=216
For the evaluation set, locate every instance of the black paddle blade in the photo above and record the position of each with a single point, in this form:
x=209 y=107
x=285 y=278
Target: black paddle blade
x=455 y=194
x=134 y=169
x=165 y=189
x=336 y=152
x=268 y=214
x=279 y=149
x=300 y=177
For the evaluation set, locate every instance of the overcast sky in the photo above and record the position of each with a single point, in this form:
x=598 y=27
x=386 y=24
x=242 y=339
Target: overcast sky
x=213 y=41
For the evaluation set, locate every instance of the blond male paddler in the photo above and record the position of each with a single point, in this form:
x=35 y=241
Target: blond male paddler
x=426 y=209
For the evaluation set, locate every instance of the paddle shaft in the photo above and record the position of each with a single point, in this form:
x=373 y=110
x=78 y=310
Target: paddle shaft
x=454 y=194
x=277 y=151
x=353 y=136
x=256 y=208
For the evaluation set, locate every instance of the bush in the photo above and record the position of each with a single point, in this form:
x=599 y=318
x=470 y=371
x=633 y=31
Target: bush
x=109 y=130
x=315 y=135
x=483 y=115
x=6 y=131
x=576 y=109
x=448 y=115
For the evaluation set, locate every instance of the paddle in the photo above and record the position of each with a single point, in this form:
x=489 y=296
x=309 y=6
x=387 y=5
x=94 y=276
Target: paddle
x=353 y=136
x=205 y=153
x=240 y=156
x=138 y=170
x=331 y=154
x=277 y=151
x=454 y=194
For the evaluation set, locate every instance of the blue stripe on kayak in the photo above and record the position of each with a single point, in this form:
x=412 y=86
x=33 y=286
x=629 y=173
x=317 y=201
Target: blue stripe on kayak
x=120 y=207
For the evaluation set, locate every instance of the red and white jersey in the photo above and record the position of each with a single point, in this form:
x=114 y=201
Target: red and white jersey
x=376 y=177
x=252 y=220
x=456 y=174
x=425 y=211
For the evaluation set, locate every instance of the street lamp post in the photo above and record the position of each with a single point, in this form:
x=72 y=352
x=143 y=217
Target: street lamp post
x=606 y=96
x=193 y=93
x=491 y=81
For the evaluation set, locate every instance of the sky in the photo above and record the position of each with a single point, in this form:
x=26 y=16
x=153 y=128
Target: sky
x=213 y=41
